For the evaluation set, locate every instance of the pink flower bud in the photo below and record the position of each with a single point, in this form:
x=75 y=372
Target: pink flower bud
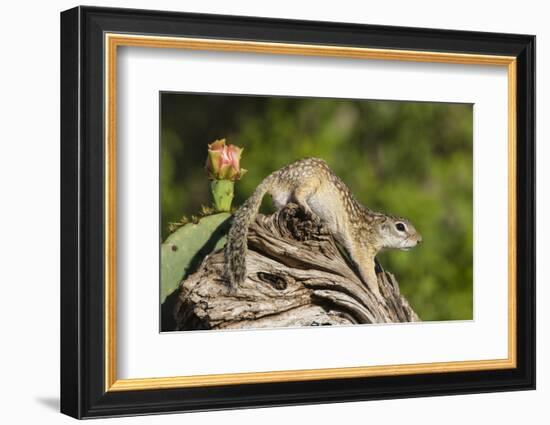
x=223 y=162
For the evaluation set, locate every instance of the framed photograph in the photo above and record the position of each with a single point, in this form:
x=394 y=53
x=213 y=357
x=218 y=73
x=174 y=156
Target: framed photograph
x=261 y=212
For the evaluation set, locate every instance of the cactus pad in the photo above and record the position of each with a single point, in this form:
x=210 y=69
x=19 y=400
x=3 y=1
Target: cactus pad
x=184 y=249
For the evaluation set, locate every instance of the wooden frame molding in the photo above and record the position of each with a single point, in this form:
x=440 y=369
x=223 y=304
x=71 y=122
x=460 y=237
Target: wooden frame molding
x=113 y=41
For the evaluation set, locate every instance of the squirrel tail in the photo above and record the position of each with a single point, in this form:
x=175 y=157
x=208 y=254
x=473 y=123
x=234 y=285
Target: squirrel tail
x=236 y=246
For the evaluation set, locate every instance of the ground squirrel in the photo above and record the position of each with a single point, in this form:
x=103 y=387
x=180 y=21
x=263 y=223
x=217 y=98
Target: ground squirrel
x=320 y=193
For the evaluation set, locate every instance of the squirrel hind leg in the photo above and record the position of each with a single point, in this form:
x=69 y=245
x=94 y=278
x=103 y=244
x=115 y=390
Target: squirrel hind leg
x=302 y=194
x=280 y=199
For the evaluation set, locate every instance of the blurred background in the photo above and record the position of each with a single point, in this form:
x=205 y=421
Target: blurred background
x=412 y=159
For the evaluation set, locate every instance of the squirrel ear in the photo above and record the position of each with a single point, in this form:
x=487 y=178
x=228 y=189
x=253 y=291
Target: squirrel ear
x=381 y=219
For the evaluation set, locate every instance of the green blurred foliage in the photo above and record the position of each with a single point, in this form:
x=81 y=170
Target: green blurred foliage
x=412 y=159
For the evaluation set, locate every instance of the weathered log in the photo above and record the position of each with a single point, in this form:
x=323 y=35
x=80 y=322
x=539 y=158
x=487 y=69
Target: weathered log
x=297 y=276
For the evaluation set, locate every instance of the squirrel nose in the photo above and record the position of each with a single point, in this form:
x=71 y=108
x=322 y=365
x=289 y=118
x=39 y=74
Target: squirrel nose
x=419 y=240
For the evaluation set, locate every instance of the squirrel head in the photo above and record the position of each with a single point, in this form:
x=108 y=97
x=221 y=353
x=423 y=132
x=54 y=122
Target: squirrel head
x=396 y=233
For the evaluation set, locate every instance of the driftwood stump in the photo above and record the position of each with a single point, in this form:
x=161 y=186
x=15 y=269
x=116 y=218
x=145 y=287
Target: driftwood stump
x=297 y=276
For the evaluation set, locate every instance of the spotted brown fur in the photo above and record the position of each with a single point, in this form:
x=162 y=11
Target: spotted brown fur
x=324 y=196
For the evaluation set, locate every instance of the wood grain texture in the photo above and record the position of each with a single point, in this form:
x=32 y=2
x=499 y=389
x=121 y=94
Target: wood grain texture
x=297 y=276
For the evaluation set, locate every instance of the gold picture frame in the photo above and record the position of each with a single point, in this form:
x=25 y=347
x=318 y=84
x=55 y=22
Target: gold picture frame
x=114 y=41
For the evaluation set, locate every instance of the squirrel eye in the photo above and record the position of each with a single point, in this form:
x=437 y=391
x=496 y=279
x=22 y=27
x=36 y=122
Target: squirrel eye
x=400 y=227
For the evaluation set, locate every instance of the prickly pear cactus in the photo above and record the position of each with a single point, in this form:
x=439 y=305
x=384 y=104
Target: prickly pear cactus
x=184 y=249
x=222 y=194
